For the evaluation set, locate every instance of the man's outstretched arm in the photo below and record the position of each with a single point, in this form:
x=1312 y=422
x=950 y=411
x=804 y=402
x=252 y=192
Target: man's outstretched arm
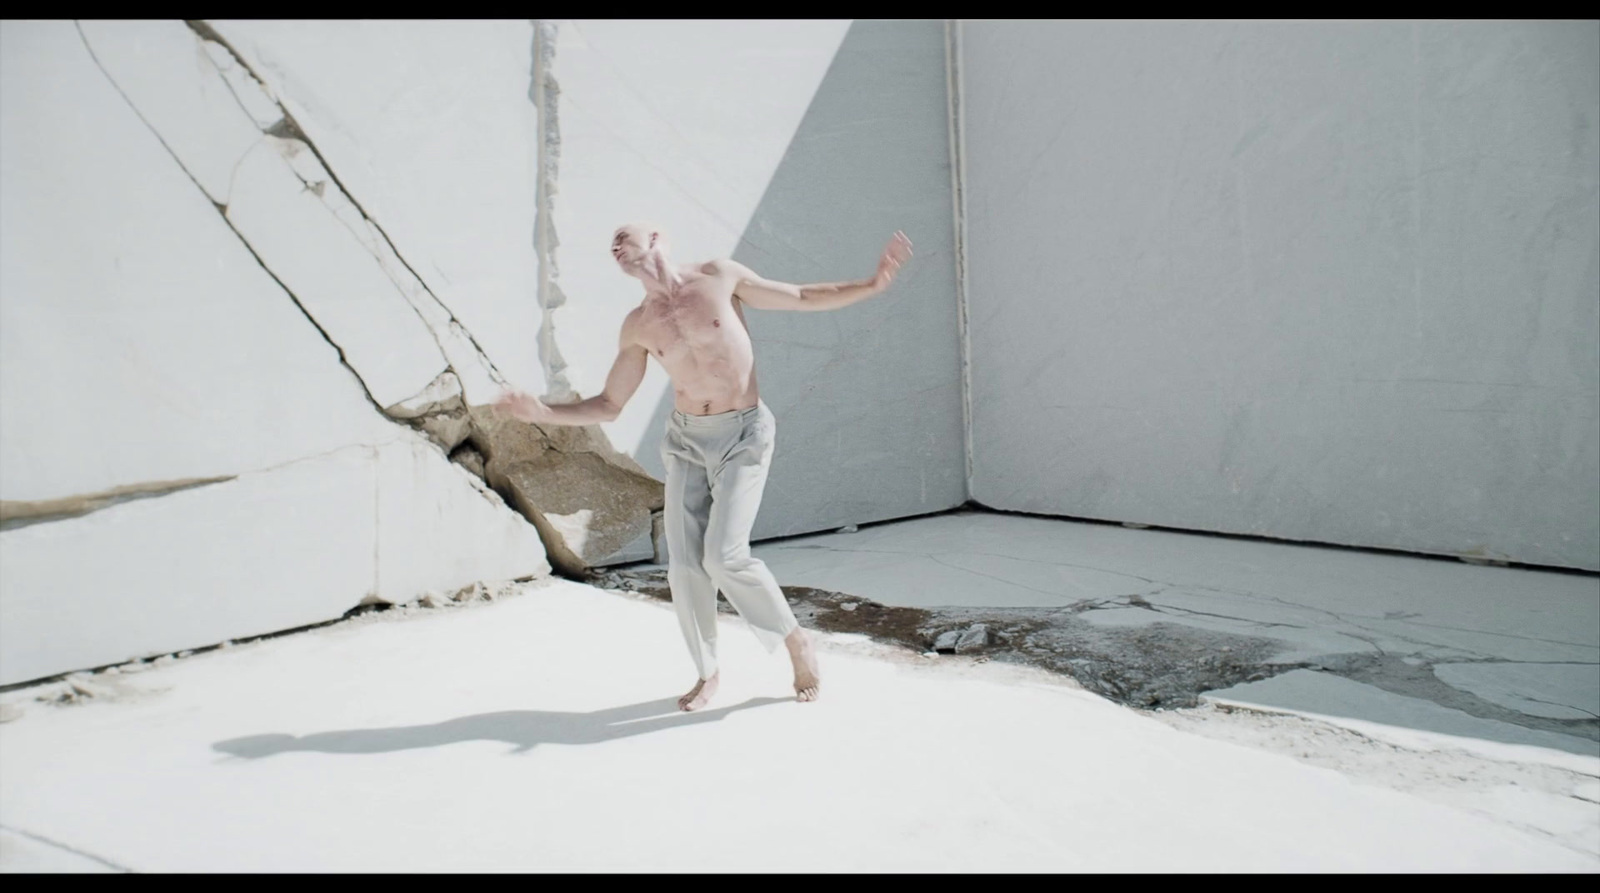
x=621 y=382
x=765 y=294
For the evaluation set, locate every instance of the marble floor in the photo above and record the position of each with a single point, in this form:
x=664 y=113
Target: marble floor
x=1492 y=653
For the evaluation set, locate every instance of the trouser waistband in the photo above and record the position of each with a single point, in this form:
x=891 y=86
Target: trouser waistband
x=717 y=420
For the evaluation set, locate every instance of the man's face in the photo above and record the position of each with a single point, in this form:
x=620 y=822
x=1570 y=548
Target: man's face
x=629 y=244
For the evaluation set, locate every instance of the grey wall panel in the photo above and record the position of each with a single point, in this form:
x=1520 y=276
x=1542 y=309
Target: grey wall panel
x=1333 y=282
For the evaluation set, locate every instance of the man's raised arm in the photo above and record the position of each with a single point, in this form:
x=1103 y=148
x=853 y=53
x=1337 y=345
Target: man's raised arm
x=621 y=382
x=766 y=294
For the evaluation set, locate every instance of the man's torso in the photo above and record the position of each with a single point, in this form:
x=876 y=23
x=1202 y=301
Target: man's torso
x=698 y=334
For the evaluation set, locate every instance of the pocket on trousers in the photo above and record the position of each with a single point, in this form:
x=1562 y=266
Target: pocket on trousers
x=758 y=430
x=667 y=447
x=759 y=435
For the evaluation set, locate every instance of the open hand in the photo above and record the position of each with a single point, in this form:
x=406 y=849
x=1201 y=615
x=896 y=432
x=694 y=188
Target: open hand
x=897 y=252
x=522 y=407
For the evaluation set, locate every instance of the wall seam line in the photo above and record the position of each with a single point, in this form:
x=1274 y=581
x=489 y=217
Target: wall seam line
x=956 y=95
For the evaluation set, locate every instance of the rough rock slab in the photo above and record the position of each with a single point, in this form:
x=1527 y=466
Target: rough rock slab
x=974 y=639
x=651 y=546
x=587 y=500
x=440 y=412
x=468 y=457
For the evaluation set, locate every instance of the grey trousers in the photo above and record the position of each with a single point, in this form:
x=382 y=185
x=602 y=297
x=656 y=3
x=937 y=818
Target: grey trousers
x=716 y=470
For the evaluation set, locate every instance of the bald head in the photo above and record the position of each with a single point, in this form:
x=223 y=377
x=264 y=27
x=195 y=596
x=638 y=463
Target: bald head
x=632 y=241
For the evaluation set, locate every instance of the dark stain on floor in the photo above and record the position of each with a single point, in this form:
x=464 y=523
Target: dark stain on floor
x=1155 y=665
x=1161 y=664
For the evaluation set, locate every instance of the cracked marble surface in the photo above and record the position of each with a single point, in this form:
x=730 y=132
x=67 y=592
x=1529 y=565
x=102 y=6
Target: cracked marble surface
x=1517 y=649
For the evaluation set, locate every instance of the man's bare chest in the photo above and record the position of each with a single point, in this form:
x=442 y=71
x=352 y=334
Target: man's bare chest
x=699 y=312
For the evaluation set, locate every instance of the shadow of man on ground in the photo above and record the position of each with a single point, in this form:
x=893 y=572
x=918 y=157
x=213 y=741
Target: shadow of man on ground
x=524 y=729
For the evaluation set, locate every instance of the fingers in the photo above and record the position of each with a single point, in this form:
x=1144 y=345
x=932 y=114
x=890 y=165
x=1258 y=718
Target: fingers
x=523 y=407
x=899 y=247
x=897 y=252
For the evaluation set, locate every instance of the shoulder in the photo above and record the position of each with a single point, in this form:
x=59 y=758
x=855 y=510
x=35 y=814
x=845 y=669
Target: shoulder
x=724 y=267
x=631 y=323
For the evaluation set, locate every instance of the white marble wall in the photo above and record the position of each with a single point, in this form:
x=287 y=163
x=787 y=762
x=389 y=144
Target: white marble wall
x=1325 y=281
x=187 y=297
x=430 y=129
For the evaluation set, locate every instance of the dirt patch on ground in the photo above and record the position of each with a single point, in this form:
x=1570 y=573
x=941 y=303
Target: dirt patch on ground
x=1161 y=664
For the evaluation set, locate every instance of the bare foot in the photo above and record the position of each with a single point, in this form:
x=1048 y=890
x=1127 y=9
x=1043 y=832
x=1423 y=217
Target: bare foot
x=700 y=695
x=807 y=681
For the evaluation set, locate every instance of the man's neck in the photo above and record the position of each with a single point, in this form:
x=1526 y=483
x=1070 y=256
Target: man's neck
x=658 y=273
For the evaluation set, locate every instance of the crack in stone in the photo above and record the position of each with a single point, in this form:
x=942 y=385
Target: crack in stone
x=222 y=212
x=1560 y=704
x=1537 y=663
x=289 y=128
x=40 y=838
x=216 y=39
x=1485 y=632
x=16 y=513
x=1344 y=619
x=1172 y=609
x=937 y=560
x=1392 y=674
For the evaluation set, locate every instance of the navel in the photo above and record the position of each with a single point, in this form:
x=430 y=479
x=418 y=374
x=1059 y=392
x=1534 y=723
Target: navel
x=717 y=323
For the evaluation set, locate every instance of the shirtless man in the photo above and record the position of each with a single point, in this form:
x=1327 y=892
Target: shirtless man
x=719 y=441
